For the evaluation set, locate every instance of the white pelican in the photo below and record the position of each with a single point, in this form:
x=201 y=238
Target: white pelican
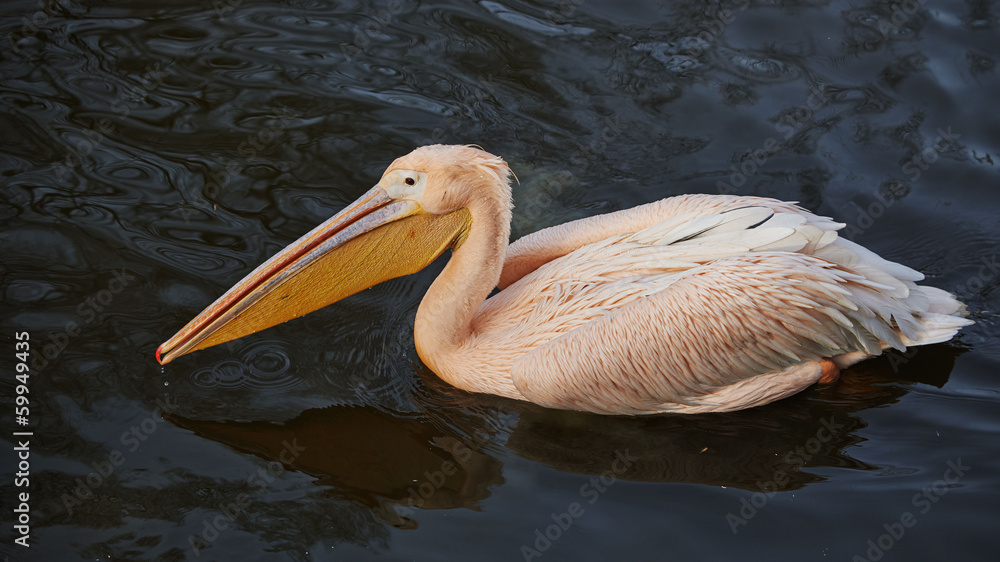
x=695 y=303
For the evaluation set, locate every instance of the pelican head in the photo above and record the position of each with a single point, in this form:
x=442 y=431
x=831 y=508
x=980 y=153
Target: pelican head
x=419 y=209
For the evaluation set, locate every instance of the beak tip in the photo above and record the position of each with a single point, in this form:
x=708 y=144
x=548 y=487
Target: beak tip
x=158 y=350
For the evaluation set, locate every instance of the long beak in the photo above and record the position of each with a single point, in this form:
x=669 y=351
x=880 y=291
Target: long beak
x=374 y=239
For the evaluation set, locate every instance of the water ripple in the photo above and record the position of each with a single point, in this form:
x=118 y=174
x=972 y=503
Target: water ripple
x=756 y=65
x=260 y=366
x=531 y=23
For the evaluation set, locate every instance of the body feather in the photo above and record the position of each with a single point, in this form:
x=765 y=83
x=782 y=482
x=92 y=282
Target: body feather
x=696 y=303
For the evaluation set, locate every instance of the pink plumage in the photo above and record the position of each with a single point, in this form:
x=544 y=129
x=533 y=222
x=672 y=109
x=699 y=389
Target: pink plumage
x=691 y=304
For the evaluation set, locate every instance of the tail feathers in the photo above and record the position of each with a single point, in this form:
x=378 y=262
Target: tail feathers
x=932 y=328
x=939 y=318
x=937 y=328
x=943 y=316
x=942 y=302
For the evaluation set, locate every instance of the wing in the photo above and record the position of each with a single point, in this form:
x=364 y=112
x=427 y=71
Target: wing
x=566 y=292
x=538 y=248
x=659 y=319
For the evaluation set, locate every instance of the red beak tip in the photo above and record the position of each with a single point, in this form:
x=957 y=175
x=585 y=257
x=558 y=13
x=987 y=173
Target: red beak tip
x=158 y=350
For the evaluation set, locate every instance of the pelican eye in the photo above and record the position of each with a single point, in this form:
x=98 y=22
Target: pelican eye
x=405 y=184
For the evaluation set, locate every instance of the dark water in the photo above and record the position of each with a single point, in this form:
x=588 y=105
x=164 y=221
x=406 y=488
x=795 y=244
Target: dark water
x=153 y=153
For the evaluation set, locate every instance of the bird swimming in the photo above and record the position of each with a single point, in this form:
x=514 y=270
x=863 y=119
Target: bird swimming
x=694 y=303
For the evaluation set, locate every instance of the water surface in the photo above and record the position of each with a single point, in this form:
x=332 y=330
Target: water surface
x=152 y=154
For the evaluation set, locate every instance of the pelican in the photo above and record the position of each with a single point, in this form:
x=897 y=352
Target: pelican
x=694 y=303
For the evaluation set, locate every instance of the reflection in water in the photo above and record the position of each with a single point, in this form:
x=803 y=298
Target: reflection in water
x=744 y=449
x=394 y=465
x=388 y=463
